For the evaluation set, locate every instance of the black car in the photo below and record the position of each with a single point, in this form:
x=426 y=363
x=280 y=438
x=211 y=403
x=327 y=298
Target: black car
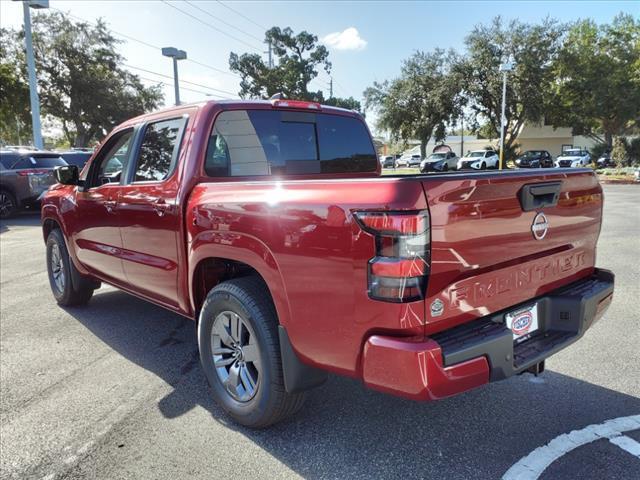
x=535 y=159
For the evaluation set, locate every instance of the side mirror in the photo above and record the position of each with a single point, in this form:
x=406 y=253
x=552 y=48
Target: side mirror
x=67 y=175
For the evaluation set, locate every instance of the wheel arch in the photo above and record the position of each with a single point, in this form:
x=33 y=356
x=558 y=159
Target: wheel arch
x=209 y=266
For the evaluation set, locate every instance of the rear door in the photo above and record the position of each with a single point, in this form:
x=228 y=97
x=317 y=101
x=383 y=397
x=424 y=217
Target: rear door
x=149 y=217
x=494 y=245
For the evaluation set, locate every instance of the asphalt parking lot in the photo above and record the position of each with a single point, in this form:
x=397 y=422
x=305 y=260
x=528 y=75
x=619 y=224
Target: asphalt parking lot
x=115 y=390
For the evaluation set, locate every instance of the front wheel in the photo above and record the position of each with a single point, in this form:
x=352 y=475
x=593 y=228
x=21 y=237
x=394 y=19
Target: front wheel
x=483 y=166
x=60 y=269
x=240 y=353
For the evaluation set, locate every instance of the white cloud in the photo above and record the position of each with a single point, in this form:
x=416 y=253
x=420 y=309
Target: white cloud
x=348 y=39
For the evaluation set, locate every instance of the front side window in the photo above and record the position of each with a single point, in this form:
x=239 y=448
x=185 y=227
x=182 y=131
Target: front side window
x=159 y=150
x=111 y=161
x=267 y=142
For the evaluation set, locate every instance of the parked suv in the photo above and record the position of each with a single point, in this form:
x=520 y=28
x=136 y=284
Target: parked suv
x=24 y=176
x=535 y=159
x=408 y=161
x=479 y=160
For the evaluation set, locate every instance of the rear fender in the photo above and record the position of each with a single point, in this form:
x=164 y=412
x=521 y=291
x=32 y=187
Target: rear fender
x=242 y=248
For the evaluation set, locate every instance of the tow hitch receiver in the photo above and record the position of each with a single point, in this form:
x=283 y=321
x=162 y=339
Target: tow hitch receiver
x=536 y=369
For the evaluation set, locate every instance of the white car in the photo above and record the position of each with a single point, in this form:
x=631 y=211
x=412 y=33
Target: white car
x=408 y=161
x=439 y=162
x=573 y=157
x=479 y=160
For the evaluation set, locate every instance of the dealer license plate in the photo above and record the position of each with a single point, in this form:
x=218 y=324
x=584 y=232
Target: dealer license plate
x=522 y=322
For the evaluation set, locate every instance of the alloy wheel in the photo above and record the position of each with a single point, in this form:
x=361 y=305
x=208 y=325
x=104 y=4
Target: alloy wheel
x=236 y=356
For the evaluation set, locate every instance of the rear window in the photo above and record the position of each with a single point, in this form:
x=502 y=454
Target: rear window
x=267 y=142
x=19 y=162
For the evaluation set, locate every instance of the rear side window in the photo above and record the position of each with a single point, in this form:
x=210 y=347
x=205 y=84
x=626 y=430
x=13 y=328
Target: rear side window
x=159 y=150
x=267 y=142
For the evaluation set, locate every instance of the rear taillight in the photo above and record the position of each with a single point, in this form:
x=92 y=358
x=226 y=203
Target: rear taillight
x=32 y=171
x=399 y=271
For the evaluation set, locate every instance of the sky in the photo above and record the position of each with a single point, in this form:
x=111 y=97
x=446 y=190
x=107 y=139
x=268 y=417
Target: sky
x=367 y=40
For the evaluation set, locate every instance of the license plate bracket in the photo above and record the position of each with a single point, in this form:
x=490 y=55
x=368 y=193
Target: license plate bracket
x=522 y=322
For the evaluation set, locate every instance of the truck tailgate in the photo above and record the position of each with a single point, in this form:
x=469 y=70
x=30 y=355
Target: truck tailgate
x=486 y=253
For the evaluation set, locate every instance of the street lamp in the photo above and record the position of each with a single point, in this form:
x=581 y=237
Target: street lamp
x=31 y=68
x=176 y=55
x=505 y=68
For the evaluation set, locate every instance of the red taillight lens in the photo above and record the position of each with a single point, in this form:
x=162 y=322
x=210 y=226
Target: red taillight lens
x=399 y=271
x=31 y=171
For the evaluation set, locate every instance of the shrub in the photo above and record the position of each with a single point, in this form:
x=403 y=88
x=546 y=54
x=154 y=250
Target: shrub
x=597 y=150
x=633 y=151
x=619 y=151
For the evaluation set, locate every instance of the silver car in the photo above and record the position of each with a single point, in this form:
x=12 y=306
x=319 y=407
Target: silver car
x=24 y=176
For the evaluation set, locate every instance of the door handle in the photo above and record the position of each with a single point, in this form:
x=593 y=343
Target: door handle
x=110 y=205
x=161 y=206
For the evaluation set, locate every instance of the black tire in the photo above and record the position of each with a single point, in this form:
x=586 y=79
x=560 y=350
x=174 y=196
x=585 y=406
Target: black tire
x=64 y=291
x=249 y=299
x=8 y=204
x=483 y=166
x=445 y=167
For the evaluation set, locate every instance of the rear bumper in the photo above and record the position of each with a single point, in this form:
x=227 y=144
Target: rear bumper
x=470 y=355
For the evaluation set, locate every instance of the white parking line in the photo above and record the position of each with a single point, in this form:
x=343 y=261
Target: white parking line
x=532 y=466
x=627 y=444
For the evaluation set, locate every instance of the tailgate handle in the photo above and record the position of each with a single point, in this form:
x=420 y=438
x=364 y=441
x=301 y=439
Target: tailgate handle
x=539 y=195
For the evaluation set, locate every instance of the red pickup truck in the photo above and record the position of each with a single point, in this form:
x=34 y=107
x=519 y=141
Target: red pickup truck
x=268 y=223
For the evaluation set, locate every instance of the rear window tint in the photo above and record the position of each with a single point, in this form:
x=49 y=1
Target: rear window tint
x=46 y=162
x=267 y=142
x=19 y=162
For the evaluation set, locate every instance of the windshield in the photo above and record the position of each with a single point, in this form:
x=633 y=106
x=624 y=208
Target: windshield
x=572 y=153
x=437 y=156
x=476 y=154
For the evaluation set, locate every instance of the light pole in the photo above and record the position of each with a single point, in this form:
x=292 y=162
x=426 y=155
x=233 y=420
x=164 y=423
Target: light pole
x=176 y=55
x=505 y=68
x=31 y=68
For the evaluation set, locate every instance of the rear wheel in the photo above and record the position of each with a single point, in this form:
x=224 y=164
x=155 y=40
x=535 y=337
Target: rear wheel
x=8 y=204
x=240 y=353
x=60 y=269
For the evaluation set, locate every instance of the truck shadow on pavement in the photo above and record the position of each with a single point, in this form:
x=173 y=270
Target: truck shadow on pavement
x=347 y=431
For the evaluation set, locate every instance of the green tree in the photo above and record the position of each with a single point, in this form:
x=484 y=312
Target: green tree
x=348 y=103
x=532 y=47
x=298 y=60
x=597 y=79
x=421 y=102
x=299 y=57
x=81 y=80
x=15 y=109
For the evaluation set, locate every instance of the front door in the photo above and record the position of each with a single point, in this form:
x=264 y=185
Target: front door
x=149 y=217
x=97 y=238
